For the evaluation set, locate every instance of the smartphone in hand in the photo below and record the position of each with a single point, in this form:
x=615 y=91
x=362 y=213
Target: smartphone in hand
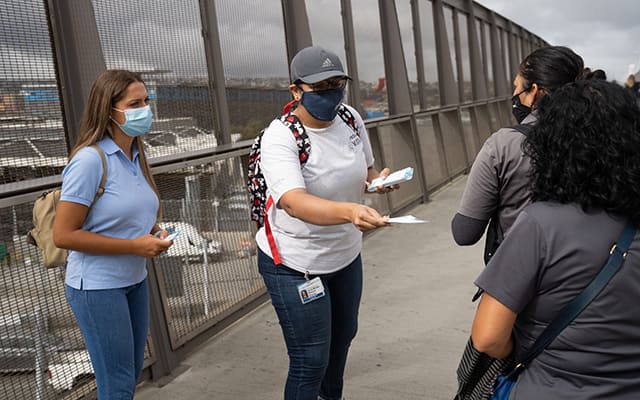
x=173 y=235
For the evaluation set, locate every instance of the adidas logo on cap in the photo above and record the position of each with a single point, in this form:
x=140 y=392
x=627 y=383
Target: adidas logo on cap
x=327 y=63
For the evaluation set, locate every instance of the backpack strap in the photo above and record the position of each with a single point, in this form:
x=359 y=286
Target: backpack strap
x=103 y=179
x=275 y=254
x=348 y=118
x=292 y=122
x=525 y=129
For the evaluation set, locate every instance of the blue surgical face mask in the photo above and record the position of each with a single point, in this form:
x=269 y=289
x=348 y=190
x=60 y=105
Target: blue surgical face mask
x=137 y=120
x=322 y=105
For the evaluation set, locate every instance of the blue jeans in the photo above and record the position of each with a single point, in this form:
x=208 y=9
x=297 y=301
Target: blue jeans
x=114 y=323
x=317 y=334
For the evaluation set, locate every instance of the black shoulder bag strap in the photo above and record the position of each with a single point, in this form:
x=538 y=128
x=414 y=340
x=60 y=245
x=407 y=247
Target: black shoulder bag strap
x=616 y=258
x=523 y=128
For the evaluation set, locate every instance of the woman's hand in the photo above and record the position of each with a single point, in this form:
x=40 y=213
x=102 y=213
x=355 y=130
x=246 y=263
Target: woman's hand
x=366 y=218
x=373 y=174
x=150 y=246
x=315 y=210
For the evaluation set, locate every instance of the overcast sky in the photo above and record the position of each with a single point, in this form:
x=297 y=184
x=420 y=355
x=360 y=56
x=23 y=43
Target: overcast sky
x=148 y=34
x=606 y=33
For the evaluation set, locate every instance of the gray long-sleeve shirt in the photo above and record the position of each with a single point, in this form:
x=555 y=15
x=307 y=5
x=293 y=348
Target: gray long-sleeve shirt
x=498 y=181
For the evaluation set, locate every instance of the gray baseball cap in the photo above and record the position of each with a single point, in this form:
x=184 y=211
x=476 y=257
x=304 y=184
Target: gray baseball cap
x=314 y=64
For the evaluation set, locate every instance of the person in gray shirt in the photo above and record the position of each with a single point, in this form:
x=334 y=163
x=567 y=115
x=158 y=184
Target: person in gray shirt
x=585 y=176
x=497 y=186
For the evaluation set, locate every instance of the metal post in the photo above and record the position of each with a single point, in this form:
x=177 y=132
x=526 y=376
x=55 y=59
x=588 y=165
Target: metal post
x=296 y=26
x=417 y=40
x=78 y=57
x=505 y=56
x=41 y=357
x=484 y=58
x=355 y=98
x=446 y=82
x=478 y=82
x=205 y=270
x=499 y=74
x=514 y=59
x=396 y=76
x=192 y=198
x=215 y=70
x=458 y=49
x=187 y=288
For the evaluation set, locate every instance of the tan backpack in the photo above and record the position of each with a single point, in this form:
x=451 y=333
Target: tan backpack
x=44 y=213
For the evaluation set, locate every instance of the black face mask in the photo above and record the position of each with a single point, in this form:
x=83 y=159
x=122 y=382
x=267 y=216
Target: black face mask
x=519 y=110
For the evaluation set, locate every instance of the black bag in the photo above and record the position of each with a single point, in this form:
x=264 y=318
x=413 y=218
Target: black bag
x=493 y=239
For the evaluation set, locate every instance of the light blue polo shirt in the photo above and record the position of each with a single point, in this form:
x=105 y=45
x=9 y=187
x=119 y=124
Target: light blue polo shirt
x=127 y=209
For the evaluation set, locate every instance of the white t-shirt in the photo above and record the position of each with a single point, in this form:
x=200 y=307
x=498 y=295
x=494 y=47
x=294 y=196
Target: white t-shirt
x=336 y=170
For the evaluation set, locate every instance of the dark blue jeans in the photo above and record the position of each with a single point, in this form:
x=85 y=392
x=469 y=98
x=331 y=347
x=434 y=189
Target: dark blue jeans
x=317 y=334
x=114 y=323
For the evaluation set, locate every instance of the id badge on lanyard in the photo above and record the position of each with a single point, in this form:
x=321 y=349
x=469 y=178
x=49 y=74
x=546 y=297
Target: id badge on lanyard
x=311 y=290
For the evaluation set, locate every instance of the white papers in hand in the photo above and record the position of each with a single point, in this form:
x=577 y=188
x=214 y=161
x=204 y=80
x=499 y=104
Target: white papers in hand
x=406 y=219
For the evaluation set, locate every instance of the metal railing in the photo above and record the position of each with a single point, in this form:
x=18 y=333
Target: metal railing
x=432 y=89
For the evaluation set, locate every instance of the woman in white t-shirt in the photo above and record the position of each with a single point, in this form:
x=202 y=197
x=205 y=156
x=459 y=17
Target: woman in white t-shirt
x=314 y=228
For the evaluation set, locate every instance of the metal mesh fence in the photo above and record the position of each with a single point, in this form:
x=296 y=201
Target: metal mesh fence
x=211 y=266
x=42 y=352
x=32 y=140
x=162 y=41
x=254 y=56
x=211 y=270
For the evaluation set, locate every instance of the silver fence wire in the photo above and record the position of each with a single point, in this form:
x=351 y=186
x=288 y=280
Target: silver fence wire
x=162 y=42
x=32 y=139
x=211 y=266
x=42 y=353
x=211 y=270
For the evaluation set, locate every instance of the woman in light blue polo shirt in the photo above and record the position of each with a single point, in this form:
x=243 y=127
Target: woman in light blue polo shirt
x=110 y=241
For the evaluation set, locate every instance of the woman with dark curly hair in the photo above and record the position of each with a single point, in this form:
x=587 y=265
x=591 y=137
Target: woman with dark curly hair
x=585 y=178
x=497 y=187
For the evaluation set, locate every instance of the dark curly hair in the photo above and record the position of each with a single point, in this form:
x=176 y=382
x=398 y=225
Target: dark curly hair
x=585 y=148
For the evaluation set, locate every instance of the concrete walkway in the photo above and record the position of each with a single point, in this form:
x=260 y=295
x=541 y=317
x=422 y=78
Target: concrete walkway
x=415 y=320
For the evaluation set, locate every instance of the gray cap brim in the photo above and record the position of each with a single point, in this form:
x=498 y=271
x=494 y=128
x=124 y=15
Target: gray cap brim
x=320 y=76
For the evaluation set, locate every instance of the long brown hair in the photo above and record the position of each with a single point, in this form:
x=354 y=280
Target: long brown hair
x=106 y=91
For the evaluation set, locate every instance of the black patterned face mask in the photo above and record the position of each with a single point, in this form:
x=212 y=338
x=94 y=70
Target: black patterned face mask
x=519 y=110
